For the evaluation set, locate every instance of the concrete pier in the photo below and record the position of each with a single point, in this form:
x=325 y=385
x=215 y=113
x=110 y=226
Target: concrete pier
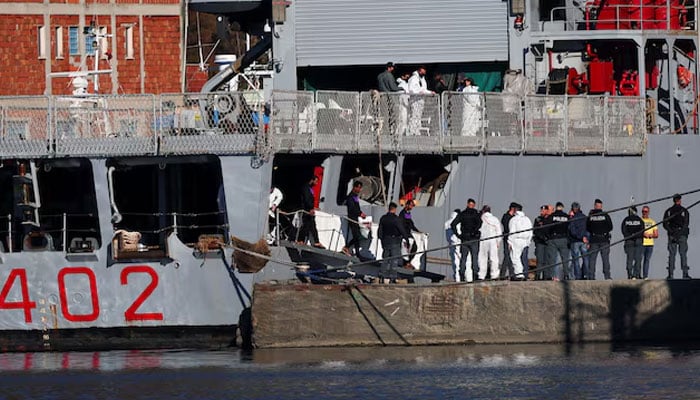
x=303 y=315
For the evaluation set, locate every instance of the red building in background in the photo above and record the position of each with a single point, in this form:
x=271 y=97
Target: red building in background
x=142 y=45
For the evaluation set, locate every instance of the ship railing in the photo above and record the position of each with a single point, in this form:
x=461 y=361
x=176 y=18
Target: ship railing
x=104 y=125
x=337 y=121
x=638 y=15
x=325 y=121
x=24 y=126
x=292 y=120
x=218 y=123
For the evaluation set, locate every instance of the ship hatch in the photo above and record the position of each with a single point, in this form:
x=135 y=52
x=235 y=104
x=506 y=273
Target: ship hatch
x=425 y=179
x=67 y=210
x=156 y=196
x=366 y=169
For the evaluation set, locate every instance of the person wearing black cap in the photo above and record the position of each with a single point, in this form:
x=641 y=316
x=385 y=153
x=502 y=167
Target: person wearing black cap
x=391 y=232
x=467 y=225
x=558 y=242
x=599 y=225
x=386 y=81
x=676 y=224
x=578 y=238
x=507 y=266
x=632 y=231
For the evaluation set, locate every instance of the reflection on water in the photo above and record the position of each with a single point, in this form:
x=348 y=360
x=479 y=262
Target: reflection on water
x=473 y=372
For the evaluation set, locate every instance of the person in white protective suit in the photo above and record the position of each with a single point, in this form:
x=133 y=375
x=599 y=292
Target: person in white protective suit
x=519 y=239
x=471 y=108
x=417 y=85
x=488 y=248
x=276 y=198
x=402 y=123
x=454 y=242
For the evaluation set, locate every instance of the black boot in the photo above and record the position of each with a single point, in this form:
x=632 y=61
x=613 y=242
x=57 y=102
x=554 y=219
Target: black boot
x=685 y=275
x=670 y=275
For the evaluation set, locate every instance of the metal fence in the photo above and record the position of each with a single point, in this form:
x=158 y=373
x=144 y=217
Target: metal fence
x=24 y=126
x=210 y=123
x=105 y=125
x=324 y=121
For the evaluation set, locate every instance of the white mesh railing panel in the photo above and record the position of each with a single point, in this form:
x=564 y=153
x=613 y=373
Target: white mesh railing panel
x=586 y=124
x=292 y=121
x=545 y=118
x=105 y=125
x=464 y=125
x=210 y=123
x=24 y=127
x=503 y=123
x=422 y=134
x=626 y=125
x=337 y=119
x=380 y=120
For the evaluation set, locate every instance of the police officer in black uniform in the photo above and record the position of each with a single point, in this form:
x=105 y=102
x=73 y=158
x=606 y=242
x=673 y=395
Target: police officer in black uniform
x=633 y=230
x=391 y=231
x=539 y=236
x=558 y=242
x=469 y=221
x=676 y=223
x=599 y=225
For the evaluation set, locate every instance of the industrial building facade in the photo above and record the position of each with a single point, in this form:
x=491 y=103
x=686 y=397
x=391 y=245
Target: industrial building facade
x=140 y=42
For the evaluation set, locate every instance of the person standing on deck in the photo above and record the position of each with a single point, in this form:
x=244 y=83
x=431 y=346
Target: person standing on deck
x=391 y=232
x=507 y=266
x=276 y=198
x=651 y=232
x=352 y=202
x=417 y=87
x=386 y=81
x=407 y=219
x=467 y=225
x=633 y=230
x=520 y=229
x=491 y=232
x=402 y=123
x=578 y=239
x=676 y=224
x=599 y=225
x=308 y=218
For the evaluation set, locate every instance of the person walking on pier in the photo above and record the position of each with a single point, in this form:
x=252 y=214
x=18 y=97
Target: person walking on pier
x=507 y=266
x=632 y=231
x=520 y=229
x=599 y=225
x=467 y=225
x=558 y=242
x=391 y=232
x=308 y=219
x=352 y=202
x=491 y=232
x=651 y=232
x=407 y=219
x=676 y=223
x=578 y=239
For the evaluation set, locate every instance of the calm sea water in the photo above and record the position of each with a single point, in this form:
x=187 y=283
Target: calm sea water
x=464 y=372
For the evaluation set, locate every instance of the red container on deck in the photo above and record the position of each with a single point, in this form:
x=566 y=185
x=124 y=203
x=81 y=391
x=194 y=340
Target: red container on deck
x=600 y=76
